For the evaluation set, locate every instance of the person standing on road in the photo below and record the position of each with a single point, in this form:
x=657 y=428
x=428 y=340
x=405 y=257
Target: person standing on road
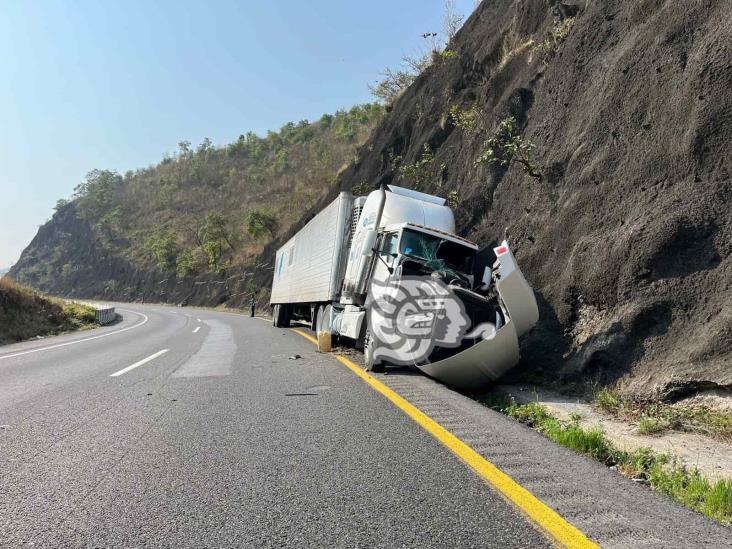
x=252 y=305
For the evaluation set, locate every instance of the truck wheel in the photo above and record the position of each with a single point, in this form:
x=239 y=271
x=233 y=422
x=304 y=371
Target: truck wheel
x=275 y=312
x=314 y=310
x=281 y=316
x=372 y=364
x=320 y=320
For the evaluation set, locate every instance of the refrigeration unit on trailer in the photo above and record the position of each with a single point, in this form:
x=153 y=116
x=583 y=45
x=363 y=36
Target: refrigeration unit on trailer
x=330 y=271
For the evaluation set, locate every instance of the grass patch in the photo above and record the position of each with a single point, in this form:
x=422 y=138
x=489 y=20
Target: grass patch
x=652 y=425
x=656 y=418
x=80 y=315
x=547 y=48
x=608 y=400
x=688 y=487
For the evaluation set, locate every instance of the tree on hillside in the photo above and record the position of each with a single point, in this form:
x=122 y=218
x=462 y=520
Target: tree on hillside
x=164 y=249
x=260 y=224
x=216 y=237
x=96 y=193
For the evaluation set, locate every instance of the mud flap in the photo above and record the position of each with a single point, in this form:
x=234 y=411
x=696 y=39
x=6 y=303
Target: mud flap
x=481 y=364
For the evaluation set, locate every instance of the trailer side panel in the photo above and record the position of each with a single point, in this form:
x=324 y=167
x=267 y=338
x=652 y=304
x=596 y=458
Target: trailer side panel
x=307 y=266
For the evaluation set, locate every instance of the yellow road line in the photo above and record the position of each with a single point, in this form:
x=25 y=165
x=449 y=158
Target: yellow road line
x=546 y=517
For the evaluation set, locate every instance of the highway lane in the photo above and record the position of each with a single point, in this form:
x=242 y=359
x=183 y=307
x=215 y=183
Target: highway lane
x=192 y=428
x=223 y=440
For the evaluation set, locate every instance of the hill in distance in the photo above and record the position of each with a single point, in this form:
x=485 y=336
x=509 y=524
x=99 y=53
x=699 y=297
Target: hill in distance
x=186 y=229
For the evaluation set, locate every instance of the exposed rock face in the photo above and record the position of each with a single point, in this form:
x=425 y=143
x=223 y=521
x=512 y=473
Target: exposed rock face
x=627 y=237
x=96 y=272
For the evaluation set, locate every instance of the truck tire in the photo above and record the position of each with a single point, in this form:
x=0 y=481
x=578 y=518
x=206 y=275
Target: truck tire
x=280 y=316
x=314 y=313
x=372 y=364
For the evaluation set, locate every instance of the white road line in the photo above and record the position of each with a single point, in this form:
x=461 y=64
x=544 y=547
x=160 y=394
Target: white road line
x=198 y=319
x=80 y=340
x=136 y=364
x=196 y=330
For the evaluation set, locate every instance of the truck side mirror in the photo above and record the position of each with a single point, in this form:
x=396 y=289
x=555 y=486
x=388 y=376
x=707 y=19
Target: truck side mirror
x=368 y=243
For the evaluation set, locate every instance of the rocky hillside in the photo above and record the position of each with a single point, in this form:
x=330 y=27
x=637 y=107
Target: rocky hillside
x=622 y=110
x=596 y=136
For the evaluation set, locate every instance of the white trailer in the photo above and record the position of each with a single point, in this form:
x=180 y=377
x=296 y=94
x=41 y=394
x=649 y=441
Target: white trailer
x=309 y=266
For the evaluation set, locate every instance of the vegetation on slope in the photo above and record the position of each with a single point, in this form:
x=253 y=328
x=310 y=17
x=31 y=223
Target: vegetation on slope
x=24 y=314
x=205 y=209
x=659 y=471
x=654 y=418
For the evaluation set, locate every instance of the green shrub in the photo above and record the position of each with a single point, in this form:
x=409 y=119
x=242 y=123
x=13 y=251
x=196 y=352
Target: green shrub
x=80 y=314
x=260 y=224
x=449 y=55
x=608 y=400
x=453 y=199
x=465 y=119
x=362 y=189
x=546 y=49
x=190 y=262
x=506 y=146
x=423 y=171
x=163 y=247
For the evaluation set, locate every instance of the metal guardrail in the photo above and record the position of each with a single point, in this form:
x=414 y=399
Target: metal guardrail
x=105 y=314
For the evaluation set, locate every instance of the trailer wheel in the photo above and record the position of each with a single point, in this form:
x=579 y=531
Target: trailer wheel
x=314 y=314
x=281 y=317
x=372 y=364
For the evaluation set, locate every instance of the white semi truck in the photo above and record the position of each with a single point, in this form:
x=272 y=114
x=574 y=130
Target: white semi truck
x=325 y=273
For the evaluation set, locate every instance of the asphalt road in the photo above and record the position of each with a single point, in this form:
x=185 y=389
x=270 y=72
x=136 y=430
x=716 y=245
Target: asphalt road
x=221 y=439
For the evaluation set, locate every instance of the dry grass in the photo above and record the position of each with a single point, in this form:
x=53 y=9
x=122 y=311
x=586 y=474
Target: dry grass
x=25 y=313
x=657 y=418
x=513 y=45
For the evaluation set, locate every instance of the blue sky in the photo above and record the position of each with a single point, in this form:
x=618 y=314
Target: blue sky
x=115 y=85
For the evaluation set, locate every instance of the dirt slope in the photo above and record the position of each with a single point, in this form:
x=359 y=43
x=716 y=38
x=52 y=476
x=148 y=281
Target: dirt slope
x=25 y=314
x=627 y=237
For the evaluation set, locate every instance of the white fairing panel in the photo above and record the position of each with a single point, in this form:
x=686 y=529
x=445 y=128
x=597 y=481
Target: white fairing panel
x=498 y=352
x=481 y=364
x=517 y=295
x=307 y=267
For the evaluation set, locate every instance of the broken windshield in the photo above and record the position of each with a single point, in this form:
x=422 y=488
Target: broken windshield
x=439 y=254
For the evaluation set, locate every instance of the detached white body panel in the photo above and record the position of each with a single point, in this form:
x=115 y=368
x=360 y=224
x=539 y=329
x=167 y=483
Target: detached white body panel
x=498 y=352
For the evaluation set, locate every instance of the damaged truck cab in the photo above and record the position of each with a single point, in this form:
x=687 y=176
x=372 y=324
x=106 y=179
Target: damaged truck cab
x=380 y=240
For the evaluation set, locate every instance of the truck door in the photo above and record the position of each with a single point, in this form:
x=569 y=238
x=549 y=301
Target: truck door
x=388 y=248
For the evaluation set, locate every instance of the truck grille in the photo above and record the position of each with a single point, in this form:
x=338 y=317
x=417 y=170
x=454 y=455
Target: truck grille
x=355 y=215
